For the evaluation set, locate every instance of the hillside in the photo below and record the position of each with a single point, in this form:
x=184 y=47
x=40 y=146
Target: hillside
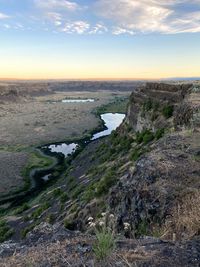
x=146 y=174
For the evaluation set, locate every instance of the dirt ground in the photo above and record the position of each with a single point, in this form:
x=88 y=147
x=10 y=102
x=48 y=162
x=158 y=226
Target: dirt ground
x=10 y=170
x=40 y=120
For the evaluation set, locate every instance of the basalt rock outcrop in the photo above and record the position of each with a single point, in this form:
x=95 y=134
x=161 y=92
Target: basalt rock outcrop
x=161 y=195
x=147 y=101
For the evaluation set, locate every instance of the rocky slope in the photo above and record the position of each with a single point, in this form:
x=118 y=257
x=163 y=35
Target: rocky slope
x=161 y=194
x=146 y=174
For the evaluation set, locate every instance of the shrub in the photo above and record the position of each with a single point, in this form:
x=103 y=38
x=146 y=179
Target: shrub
x=136 y=154
x=57 y=192
x=105 y=183
x=142 y=228
x=19 y=210
x=77 y=191
x=5 y=231
x=139 y=137
x=40 y=210
x=26 y=230
x=51 y=218
x=156 y=105
x=64 y=197
x=68 y=224
x=168 y=111
x=159 y=133
x=147 y=105
x=89 y=193
x=148 y=137
x=144 y=137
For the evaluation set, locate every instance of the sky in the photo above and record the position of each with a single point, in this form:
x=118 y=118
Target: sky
x=99 y=39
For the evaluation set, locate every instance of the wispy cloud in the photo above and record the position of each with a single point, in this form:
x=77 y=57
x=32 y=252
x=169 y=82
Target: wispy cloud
x=4 y=16
x=119 y=31
x=98 y=28
x=54 y=17
x=57 y=4
x=147 y=16
x=79 y=27
x=115 y=17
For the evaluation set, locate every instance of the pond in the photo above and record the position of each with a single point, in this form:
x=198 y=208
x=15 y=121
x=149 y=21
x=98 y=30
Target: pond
x=111 y=122
x=65 y=149
x=78 y=100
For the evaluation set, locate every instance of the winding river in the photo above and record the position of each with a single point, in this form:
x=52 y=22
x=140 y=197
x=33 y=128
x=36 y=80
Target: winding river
x=60 y=152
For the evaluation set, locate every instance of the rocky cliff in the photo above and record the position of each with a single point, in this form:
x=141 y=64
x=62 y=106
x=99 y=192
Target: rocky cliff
x=160 y=195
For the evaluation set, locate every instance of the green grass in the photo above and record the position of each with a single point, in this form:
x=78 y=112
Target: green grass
x=118 y=105
x=36 y=160
x=105 y=244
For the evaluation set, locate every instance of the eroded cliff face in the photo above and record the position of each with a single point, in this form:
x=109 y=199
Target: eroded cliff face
x=148 y=103
x=160 y=195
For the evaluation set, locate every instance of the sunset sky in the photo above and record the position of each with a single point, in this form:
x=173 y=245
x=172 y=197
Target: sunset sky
x=99 y=39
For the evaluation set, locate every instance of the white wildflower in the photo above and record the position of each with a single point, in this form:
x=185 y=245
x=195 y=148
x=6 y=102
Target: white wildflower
x=92 y=224
x=103 y=214
x=111 y=216
x=126 y=226
x=101 y=223
x=90 y=219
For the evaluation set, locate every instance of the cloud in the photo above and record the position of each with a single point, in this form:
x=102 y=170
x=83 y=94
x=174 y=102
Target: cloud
x=57 y=4
x=59 y=13
x=54 y=17
x=111 y=16
x=4 y=16
x=146 y=16
x=187 y=23
x=78 y=27
x=98 y=28
x=7 y=26
x=119 y=31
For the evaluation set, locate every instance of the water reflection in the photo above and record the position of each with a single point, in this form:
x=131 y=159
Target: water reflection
x=63 y=148
x=112 y=121
x=78 y=100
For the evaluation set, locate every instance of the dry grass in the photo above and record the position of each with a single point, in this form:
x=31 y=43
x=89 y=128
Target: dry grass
x=185 y=220
x=68 y=253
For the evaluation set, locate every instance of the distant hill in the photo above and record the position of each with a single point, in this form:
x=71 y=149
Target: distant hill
x=182 y=79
